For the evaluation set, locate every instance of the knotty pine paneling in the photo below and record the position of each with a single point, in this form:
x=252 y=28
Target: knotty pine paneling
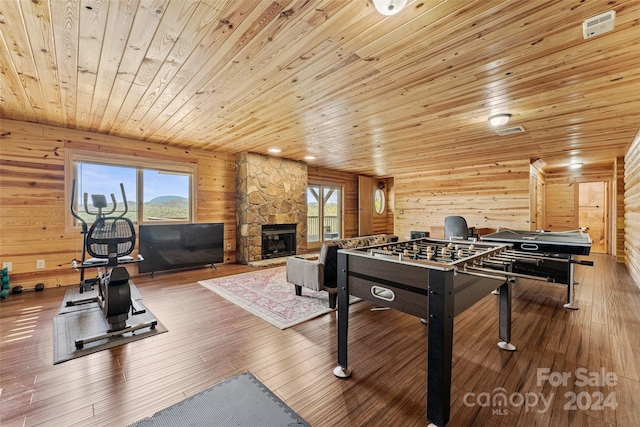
x=537 y=198
x=488 y=196
x=560 y=201
x=33 y=202
x=561 y=194
x=365 y=205
x=632 y=209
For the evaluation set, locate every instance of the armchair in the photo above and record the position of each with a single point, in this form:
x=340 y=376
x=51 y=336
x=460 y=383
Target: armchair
x=317 y=275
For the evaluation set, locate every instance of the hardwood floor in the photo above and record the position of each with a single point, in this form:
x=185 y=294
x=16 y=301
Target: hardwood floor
x=211 y=339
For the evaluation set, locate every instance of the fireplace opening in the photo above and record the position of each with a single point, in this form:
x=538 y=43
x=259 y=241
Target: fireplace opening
x=278 y=240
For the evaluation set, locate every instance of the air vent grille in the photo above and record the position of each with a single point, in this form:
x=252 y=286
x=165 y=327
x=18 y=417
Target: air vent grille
x=599 y=24
x=539 y=164
x=510 y=131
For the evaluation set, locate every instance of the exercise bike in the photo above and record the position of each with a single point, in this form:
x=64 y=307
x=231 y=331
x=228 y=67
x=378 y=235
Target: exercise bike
x=109 y=241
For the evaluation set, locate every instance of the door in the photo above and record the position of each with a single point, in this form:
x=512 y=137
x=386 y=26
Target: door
x=593 y=213
x=324 y=214
x=365 y=205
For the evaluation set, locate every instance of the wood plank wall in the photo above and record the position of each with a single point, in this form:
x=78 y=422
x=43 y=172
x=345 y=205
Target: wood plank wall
x=561 y=194
x=618 y=201
x=560 y=203
x=488 y=196
x=365 y=205
x=32 y=196
x=33 y=208
x=632 y=209
x=537 y=198
x=619 y=192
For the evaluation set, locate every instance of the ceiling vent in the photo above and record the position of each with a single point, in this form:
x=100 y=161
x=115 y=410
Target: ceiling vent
x=510 y=131
x=599 y=24
x=539 y=164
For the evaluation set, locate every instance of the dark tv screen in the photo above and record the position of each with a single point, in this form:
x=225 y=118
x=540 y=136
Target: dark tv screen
x=174 y=246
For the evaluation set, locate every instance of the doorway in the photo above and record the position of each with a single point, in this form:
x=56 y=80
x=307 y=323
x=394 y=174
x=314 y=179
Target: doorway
x=324 y=214
x=593 y=213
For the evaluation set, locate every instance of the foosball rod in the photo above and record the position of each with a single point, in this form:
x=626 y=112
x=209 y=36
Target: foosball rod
x=506 y=274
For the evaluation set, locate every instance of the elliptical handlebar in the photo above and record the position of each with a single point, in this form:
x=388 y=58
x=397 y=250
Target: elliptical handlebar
x=86 y=204
x=124 y=199
x=73 y=200
x=101 y=197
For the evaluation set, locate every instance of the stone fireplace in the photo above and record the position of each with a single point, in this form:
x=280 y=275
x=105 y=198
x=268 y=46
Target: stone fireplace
x=269 y=191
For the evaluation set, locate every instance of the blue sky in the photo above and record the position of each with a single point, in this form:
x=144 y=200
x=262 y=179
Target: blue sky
x=102 y=179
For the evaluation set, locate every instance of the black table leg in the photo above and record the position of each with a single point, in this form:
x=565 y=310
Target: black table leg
x=342 y=370
x=440 y=347
x=570 y=305
x=504 y=325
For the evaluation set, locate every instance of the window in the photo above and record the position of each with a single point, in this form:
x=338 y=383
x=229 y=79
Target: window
x=324 y=213
x=378 y=201
x=159 y=193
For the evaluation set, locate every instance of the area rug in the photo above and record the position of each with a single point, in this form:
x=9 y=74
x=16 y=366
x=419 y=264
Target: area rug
x=266 y=294
x=241 y=401
x=87 y=320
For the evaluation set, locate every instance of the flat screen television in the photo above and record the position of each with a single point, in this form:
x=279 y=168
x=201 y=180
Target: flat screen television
x=174 y=246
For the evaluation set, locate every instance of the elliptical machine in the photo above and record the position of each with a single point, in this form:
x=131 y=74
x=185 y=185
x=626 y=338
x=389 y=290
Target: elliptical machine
x=109 y=241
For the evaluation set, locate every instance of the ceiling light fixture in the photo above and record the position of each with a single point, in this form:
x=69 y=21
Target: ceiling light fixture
x=389 y=7
x=274 y=150
x=309 y=158
x=499 y=119
x=575 y=165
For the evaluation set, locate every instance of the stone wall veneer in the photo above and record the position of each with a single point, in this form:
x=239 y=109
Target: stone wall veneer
x=269 y=190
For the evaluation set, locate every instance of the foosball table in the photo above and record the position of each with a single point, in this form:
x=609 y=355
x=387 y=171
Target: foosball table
x=434 y=280
x=438 y=279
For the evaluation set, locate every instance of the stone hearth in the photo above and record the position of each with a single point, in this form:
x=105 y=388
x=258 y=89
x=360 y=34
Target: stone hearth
x=269 y=190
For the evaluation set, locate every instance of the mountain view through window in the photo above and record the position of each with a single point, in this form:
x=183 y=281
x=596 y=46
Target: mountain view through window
x=152 y=195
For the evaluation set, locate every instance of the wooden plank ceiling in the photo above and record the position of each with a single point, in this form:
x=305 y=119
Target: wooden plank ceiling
x=332 y=79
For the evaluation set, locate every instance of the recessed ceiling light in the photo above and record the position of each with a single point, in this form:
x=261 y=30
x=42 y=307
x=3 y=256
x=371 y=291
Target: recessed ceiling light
x=309 y=157
x=274 y=150
x=575 y=165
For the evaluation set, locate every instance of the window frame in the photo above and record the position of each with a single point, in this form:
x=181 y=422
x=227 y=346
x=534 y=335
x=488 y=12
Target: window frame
x=322 y=186
x=74 y=156
x=383 y=201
